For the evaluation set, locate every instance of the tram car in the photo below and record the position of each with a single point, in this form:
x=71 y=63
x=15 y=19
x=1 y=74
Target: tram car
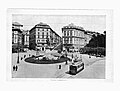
x=76 y=67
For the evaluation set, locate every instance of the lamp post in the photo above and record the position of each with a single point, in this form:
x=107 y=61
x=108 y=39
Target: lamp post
x=18 y=51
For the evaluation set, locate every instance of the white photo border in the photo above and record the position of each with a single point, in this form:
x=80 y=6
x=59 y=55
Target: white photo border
x=109 y=39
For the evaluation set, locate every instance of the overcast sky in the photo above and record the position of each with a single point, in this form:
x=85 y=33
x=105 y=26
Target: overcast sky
x=56 y=22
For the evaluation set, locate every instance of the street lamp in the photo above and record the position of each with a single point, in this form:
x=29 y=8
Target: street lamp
x=18 y=51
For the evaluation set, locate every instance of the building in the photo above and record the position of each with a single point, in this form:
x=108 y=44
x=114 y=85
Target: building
x=25 y=38
x=16 y=36
x=41 y=37
x=73 y=37
x=88 y=36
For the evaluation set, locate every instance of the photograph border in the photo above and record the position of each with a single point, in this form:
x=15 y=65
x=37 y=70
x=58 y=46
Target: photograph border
x=109 y=39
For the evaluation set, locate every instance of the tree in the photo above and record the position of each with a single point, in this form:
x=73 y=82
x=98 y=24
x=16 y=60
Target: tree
x=98 y=41
x=97 y=45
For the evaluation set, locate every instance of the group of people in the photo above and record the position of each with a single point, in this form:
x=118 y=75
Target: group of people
x=15 y=68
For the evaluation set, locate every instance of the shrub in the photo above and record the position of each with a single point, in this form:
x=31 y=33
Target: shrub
x=92 y=51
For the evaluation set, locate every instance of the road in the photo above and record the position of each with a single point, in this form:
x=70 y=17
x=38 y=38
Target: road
x=94 y=69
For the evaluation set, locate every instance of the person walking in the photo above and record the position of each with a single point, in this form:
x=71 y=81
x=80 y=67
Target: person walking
x=72 y=58
x=59 y=66
x=14 y=68
x=24 y=56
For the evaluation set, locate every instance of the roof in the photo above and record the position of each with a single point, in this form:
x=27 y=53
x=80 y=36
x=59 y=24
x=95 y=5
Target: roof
x=41 y=24
x=73 y=26
x=16 y=24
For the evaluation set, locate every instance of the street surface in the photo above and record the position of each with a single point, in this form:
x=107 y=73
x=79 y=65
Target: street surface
x=94 y=68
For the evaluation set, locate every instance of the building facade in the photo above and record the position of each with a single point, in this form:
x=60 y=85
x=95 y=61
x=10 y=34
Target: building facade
x=73 y=37
x=25 y=38
x=41 y=37
x=16 y=36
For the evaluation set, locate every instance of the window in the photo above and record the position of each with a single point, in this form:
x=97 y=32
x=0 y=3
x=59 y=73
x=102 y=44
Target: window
x=43 y=40
x=26 y=38
x=70 y=33
x=71 y=40
x=48 y=30
x=79 y=33
x=47 y=35
x=38 y=29
x=64 y=33
x=67 y=40
x=38 y=41
x=16 y=39
x=38 y=34
x=67 y=33
x=42 y=34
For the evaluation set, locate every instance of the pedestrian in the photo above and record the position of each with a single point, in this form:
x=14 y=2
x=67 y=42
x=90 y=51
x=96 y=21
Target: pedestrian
x=66 y=62
x=72 y=58
x=72 y=55
x=89 y=56
x=59 y=66
x=24 y=56
x=21 y=58
x=14 y=68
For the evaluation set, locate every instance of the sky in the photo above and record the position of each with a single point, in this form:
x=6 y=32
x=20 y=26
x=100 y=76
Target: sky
x=95 y=23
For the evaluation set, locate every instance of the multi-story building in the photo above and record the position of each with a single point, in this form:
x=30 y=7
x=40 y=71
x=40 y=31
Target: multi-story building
x=73 y=37
x=41 y=36
x=16 y=36
x=25 y=38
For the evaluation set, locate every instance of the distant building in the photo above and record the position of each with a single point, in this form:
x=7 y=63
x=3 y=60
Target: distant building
x=16 y=35
x=73 y=37
x=42 y=37
x=88 y=36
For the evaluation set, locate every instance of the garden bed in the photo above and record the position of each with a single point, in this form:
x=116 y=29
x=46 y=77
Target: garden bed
x=44 y=60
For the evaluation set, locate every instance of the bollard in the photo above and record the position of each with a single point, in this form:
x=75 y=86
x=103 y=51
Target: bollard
x=29 y=55
x=14 y=68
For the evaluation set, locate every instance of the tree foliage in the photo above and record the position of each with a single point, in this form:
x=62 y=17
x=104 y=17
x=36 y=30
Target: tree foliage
x=98 y=41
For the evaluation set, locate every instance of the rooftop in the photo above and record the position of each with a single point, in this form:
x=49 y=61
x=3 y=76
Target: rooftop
x=16 y=24
x=73 y=26
x=41 y=24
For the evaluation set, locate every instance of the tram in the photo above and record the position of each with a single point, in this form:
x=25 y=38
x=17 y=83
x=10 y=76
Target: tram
x=76 y=67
